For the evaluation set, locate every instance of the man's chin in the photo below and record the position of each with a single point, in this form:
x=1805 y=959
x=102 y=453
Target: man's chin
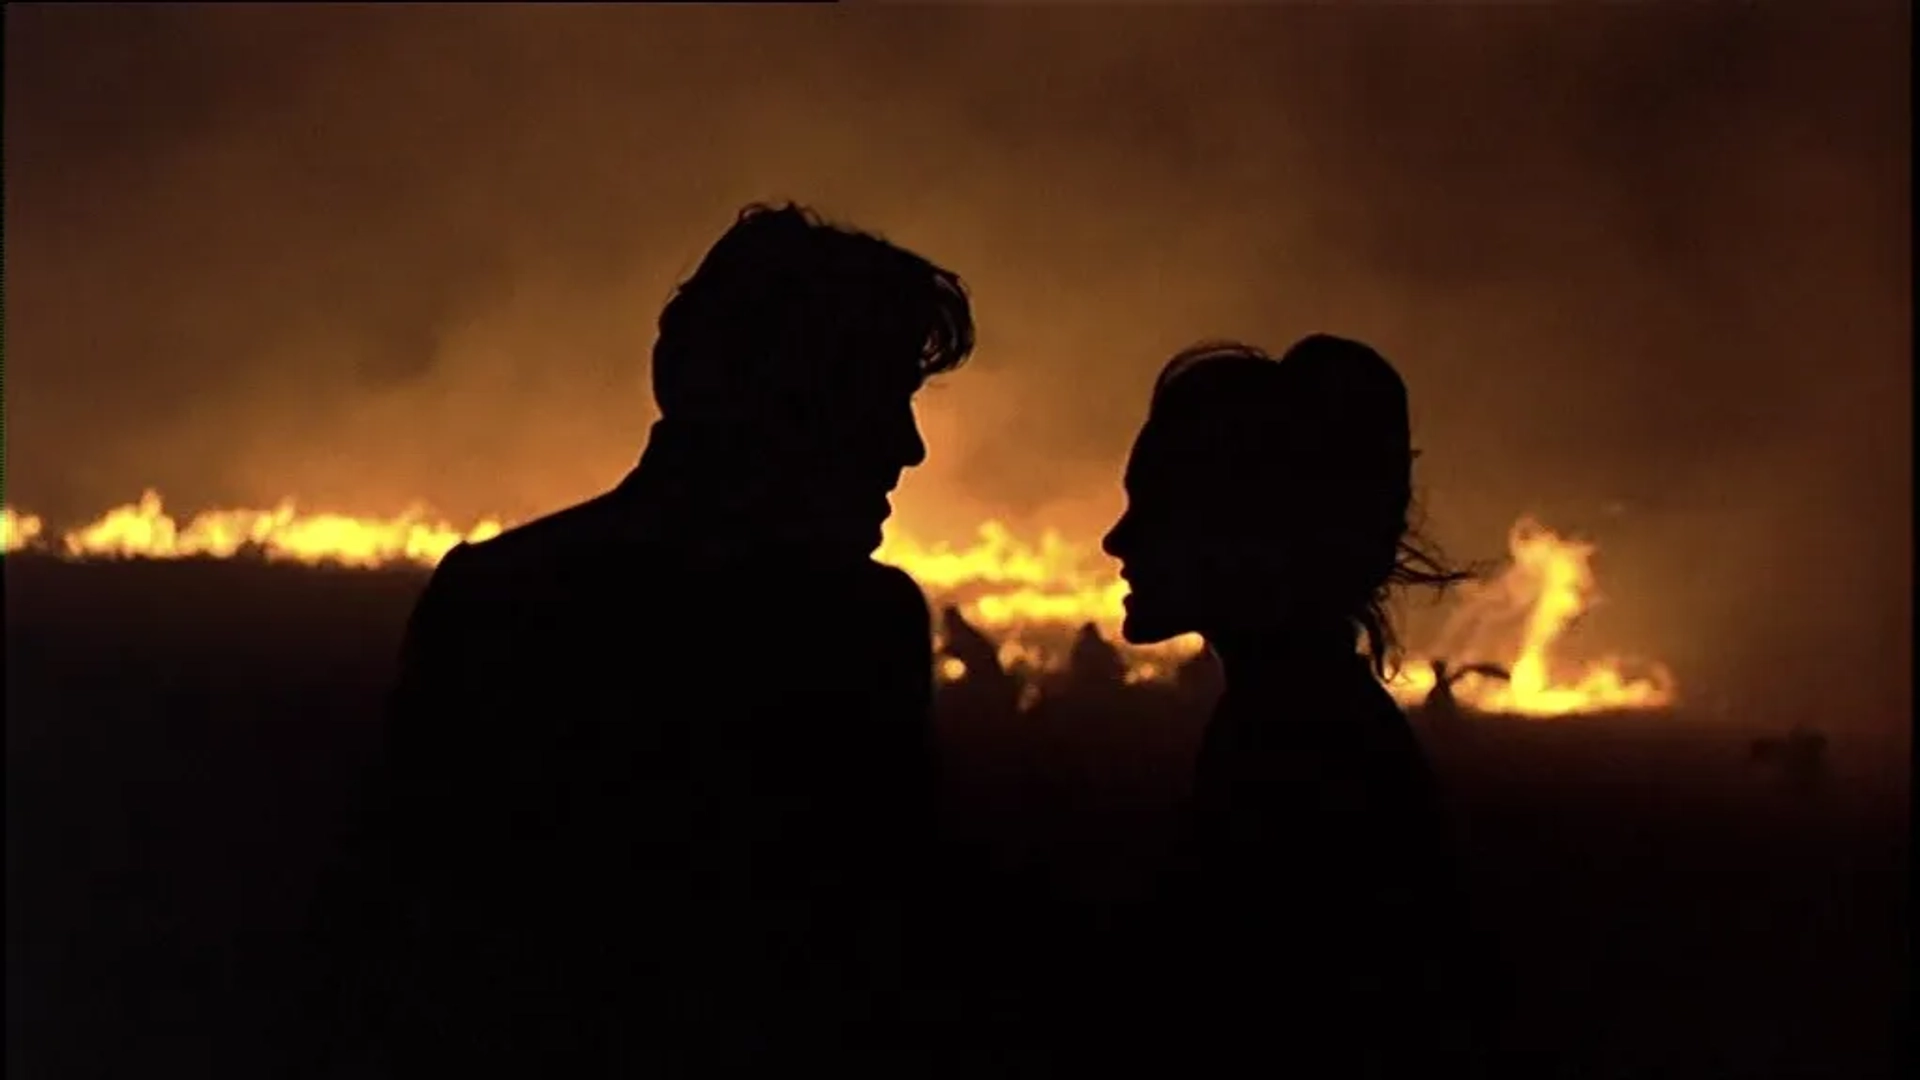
x=874 y=530
x=867 y=538
x=842 y=536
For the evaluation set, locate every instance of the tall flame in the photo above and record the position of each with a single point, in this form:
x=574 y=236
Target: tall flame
x=1517 y=618
x=1032 y=596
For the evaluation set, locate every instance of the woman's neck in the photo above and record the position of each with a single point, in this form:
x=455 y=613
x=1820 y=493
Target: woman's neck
x=1258 y=654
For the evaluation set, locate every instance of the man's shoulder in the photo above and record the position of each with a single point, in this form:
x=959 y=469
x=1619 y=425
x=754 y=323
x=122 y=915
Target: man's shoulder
x=598 y=545
x=837 y=604
x=524 y=563
x=543 y=541
x=871 y=589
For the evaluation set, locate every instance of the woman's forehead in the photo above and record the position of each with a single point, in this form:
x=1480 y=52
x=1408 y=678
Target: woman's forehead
x=1167 y=464
x=1183 y=442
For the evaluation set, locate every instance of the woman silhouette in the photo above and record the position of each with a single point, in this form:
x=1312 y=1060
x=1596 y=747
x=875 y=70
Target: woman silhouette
x=1315 y=913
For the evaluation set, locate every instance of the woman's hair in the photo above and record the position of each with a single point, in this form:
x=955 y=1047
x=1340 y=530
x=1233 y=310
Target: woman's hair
x=1418 y=563
x=1330 y=421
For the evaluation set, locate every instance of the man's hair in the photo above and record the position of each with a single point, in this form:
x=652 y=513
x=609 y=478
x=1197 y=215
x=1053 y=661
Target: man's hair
x=786 y=304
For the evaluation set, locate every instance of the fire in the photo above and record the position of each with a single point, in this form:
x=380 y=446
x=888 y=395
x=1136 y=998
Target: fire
x=1030 y=596
x=144 y=530
x=1516 y=619
x=17 y=531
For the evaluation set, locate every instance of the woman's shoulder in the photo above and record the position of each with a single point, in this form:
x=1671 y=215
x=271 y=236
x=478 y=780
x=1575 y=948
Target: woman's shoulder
x=1332 y=713
x=1351 y=739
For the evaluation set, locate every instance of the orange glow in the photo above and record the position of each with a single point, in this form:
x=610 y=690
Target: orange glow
x=1516 y=619
x=17 y=531
x=144 y=530
x=1031 y=597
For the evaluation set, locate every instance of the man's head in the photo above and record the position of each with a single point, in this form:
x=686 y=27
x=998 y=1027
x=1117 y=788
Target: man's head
x=792 y=356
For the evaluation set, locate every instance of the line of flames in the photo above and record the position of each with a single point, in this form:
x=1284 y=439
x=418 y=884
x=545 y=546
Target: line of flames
x=1026 y=593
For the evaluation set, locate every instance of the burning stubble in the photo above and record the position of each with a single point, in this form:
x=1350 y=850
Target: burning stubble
x=1644 y=267
x=1032 y=595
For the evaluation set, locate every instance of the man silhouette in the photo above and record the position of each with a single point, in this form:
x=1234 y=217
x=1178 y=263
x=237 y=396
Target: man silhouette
x=625 y=830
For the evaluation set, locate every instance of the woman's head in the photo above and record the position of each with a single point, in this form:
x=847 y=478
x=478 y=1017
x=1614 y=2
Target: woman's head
x=1269 y=494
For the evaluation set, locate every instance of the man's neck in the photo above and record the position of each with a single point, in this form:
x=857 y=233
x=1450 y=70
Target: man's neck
x=702 y=492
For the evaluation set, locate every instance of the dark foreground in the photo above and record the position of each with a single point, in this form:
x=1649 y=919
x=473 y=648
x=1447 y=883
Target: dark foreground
x=181 y=741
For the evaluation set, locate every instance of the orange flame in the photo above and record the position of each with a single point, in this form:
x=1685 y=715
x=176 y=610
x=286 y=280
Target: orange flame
x=1031 y=596
x=1516 y=618
x=18 y=531
x=144 y=530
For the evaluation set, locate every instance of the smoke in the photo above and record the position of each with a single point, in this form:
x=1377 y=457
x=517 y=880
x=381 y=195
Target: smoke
x=1645 y=267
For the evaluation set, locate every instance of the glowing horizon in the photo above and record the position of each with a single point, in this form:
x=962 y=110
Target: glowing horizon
x=1029 y=594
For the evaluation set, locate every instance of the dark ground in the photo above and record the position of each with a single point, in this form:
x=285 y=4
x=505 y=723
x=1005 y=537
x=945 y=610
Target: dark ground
x=181 y=740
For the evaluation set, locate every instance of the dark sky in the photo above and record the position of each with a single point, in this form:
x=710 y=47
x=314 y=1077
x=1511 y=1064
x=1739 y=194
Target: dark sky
x=1652 y=257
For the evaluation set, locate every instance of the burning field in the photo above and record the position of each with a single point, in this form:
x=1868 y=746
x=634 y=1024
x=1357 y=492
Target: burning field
x=195 y=700
x=1653 y=316
x=1499 y=643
